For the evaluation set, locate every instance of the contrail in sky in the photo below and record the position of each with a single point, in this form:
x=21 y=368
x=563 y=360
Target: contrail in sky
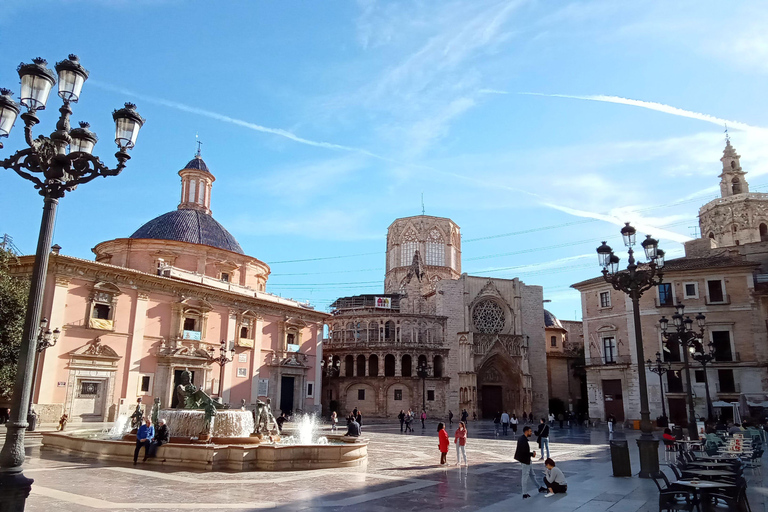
x=239 y=122
x=651 y=105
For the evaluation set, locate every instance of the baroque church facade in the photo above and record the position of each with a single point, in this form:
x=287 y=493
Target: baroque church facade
x=436 y=338
x=168 y=299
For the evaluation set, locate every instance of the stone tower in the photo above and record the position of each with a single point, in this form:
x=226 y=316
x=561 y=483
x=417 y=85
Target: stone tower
x=738 y=216
x=438 y=242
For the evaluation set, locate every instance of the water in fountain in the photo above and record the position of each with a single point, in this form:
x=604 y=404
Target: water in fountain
x=190 y=422
x=121 y=427
x=304 y=432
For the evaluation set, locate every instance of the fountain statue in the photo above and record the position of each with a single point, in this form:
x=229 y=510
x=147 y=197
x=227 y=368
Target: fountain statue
x=138 y=415
x=155 y=414
x=190 y=397
x=262 y=417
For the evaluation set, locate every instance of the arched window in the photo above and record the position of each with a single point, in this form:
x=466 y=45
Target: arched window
x=389 y=330
x=408 y=246
x=389 y=365
x=349 y=366
x=438 y=366
x=422 y=361
x=405 y=369
x=373 y=330
x=733 y=164
x=336 y=333
x=373 y=365
x=349 y=332
x=736 y=186
x=361 y=366
x=360 y=332
x=763 y=233
x=435 y=248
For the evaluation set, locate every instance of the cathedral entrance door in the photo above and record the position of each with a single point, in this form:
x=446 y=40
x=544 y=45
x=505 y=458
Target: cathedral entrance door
x=492 y=401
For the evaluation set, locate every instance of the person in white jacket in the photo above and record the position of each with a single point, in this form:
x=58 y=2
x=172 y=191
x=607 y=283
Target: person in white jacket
x=504 y=423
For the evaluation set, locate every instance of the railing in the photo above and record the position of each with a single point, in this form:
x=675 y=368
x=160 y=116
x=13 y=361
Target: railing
x=601 y=361
x=728 y=389
x=336 y=343
x=726 y=300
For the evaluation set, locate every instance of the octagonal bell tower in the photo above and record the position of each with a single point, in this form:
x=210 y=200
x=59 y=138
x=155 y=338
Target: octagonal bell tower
x=438 y=241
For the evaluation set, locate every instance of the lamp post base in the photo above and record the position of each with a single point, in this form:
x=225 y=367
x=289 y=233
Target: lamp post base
x=14 y=490
x=649 y=457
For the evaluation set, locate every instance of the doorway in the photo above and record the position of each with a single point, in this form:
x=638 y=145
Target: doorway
x=613 y=399
x=678 y=411
x=492 y=401
x=286 y=394
x=176 y=382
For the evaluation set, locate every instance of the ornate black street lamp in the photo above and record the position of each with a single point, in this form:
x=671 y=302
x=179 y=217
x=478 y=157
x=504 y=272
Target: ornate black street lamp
x=704 y=359
x=659 y=367
x=45 y=339
x=330 y=368
x=685 y=337
x=222 y=360
x=422 y=371
x=634 y=281
x=56 y=164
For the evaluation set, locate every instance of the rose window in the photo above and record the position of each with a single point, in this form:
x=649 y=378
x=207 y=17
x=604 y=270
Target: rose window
x=488 y=317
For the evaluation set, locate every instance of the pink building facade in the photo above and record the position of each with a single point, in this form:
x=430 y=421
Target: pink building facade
x=162 y=301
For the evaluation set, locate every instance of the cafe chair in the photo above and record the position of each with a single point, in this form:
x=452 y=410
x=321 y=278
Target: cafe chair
x=670 y=499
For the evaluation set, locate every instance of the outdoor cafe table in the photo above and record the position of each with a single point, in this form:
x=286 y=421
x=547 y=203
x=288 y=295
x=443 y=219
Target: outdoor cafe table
x=708 y=464
x=696 y=488
x=711 y=473
x=688 y=443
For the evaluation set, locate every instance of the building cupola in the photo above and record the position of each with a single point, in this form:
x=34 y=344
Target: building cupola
x=732 y=180
x=196 y=184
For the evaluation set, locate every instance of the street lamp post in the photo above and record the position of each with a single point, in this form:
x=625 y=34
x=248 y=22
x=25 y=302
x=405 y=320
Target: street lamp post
x=222 y=360
x=422 y=370
x=704 y=359
x=329 y=369
x=686 y=338
x=659 y=367
x=634 y=281
x=45 y=339
x=56 y=164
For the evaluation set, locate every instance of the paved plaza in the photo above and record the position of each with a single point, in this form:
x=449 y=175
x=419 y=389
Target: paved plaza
x=401 y=474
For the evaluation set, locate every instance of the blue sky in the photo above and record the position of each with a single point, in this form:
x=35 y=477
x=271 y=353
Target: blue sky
x=325 y=121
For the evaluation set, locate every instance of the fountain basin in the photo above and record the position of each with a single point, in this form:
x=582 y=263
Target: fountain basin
x=214 y=456
x=227 y=423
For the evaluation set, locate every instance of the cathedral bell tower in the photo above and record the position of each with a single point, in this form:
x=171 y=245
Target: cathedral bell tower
x=196 y=184
x=732 y=180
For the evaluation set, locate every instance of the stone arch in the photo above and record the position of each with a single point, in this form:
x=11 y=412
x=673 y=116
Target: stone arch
x=421 y=361
x=500 y=382
x=373 y=365
x=389 y=330
x=360 y=366
x=349 y=332
x=763 y=232
x=405 y=366
x=373 y=330
x=389 y=365
x=409 y=244
x=435 y=248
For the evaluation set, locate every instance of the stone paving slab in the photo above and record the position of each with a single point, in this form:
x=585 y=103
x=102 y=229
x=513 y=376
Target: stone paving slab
x=401 y=474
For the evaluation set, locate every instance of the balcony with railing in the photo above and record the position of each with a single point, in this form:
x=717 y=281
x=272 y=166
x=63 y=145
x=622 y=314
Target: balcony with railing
x=728 y=388
x=609 y=361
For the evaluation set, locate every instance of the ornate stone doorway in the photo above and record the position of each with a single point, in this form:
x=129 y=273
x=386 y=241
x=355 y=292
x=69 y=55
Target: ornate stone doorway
x=500 y=385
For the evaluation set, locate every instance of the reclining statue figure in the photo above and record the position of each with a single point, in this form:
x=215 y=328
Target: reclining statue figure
x=190 y=397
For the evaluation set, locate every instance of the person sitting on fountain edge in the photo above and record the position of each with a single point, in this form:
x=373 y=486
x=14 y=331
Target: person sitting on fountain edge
x=353 y=427
x=162 y=436
x=143 y=438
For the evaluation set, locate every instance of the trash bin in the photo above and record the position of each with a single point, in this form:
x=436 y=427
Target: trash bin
x=620 y=458
x=636 y=424
x=31 y=421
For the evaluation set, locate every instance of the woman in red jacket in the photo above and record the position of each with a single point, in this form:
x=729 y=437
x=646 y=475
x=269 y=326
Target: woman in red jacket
x=460 y=439
x=443 y=442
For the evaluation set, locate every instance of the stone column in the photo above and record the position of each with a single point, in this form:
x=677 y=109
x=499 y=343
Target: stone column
x=256 y=357
x=229 y=368
x=47 y=375
x=135 y=350
x=398 y=364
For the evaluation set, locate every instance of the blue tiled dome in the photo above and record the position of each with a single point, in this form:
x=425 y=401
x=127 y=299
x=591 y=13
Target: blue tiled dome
x=190 y=226
x=551 y=320
x=197 y=163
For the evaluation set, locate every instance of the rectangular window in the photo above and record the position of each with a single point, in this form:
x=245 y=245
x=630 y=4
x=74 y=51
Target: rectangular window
x=609 y=350
x=146 y=380
x=674 y=382
x=700 y=376
x=665 y=294
x=605 y=299
x=435 y=253
x=715 y=289
x=89 y=388
x=691 y=291
x=101 y=311
x=189 y=324
x=722 y=342
x=553 y=341
x=225 y=276
x=430 y=395
x=398 y=394
x=361 y=394
x=310 y=389
x=727 y=384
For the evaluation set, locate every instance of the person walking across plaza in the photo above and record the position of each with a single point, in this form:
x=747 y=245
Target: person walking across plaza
x=496 y=423
x=611 y=421
x=554 y=480
x=450 y=417
x=551 y=420
x=513 y=421
x=334 y=421
x=542 y=435
x=401 y=417
x=523 y=455
x=408 y=421
x=144 y=436
x=442 y=443
x=162 y=436
x=505 y=422
x=423 y=418
x=464 y=416
x=460 y=440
